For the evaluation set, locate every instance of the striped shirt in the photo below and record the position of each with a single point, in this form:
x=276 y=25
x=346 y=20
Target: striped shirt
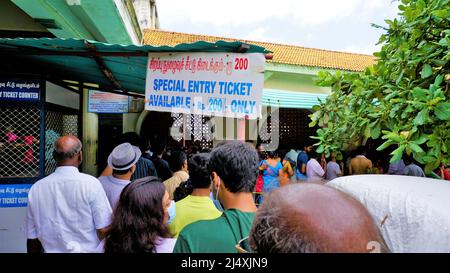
x=144 y=167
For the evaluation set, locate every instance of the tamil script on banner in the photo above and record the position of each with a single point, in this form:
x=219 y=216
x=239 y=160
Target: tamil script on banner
x=107 y=103
x=19 y=89
x=14 y=195
x=211 y=84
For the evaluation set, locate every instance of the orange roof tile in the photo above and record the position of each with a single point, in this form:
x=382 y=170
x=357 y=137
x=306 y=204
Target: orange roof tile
x=283 y=54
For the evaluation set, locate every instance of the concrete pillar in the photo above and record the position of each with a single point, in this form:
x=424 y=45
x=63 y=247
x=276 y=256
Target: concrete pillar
x=240 y=129
x=130 y=121
x=90 y=138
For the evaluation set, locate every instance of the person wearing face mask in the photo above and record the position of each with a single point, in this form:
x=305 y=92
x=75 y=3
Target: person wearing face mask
x=139 y=223
x=233 y=167
x=197 y=205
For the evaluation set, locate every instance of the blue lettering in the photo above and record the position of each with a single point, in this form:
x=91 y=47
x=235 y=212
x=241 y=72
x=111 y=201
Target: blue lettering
x=243 y=106
x=188 y=102
x=155 y=84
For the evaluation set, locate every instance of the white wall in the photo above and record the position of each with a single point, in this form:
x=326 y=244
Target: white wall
x=13 y=238
x=61 y=96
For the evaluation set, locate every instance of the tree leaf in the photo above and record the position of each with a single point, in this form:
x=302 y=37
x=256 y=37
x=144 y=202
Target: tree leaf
x=426 y=71
x=420 y=94
x=376 y=130
x=320 y=149
x=400 y=77
x=367 y=131
x=442 y=111
x=438 y=80
x=385 y=145
x=423 y=117
x=397 y=154
x=421 y=140
x=415 y=148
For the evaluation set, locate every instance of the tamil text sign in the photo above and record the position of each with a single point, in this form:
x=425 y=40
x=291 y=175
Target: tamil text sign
x=210 y=84
x=14 y=195
x=19 y=90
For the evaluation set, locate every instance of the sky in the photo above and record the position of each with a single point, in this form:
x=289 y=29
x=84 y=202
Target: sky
x=341 y=25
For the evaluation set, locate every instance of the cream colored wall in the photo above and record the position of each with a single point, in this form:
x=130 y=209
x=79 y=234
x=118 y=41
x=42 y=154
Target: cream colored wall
x=294 y=82
x=130 y=121
x=90 y=138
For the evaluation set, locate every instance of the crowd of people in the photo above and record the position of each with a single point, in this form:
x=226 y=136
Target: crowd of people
x=148 y=200
x=278 y=168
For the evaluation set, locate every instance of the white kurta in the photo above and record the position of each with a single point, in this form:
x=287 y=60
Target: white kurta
x=65 y=209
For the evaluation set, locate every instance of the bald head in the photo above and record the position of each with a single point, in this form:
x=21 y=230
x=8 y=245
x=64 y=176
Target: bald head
x=67 y=151
x=312 y=218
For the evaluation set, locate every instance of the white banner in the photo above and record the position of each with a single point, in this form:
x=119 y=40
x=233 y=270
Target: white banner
x=211 y=84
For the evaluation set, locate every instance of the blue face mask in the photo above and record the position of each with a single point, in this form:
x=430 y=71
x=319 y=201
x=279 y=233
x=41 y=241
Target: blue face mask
x=172 y=211
x=216 y=200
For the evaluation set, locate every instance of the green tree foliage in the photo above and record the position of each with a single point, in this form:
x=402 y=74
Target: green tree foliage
x=404 y=98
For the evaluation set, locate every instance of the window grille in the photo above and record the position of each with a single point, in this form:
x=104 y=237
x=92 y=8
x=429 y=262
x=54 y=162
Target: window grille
x=19 y=142
x=57 y=124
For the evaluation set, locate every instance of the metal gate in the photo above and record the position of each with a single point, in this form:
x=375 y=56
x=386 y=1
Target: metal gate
x=59 y=121
x=19 y=144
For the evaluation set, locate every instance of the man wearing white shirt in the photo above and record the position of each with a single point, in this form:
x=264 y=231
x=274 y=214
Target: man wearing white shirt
x=333 y=169
x=67 y=211
x=314 y=170
x=122 y=160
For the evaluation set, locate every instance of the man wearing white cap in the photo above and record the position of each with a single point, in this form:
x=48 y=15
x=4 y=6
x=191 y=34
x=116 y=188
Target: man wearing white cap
x=123 y=162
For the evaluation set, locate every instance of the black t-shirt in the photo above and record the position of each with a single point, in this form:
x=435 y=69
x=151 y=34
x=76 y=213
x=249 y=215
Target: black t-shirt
x=162 y=168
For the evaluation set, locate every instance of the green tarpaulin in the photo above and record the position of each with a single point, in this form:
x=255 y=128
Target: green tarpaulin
x=111 y=66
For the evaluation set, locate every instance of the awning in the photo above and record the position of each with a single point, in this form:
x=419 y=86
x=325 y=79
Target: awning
x=290 y=99
x=115 y=68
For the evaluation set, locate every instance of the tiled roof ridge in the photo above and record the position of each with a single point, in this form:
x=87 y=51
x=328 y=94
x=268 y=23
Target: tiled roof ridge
x=261 y=42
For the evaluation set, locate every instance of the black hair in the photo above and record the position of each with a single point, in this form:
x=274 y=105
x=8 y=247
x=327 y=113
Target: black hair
x=198 y=171
x=361 y=150
x=236 y=163
x=408 y=159
x=183 y=190
x=272 y=154
x=144 y=145
x=305 y=143
x=282 y=153
x=120 y=172
x=206 y=150
x=176 y=160
x=138 y=218
x=130 y=137
x=195 y=149
x=158 y=146
x=314 y=154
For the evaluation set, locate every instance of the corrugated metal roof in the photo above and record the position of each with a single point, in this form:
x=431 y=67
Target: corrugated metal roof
x=290 y=99
x=91 y=61
x=284 y=54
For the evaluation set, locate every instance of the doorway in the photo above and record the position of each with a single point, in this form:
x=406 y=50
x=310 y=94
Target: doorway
x=109 y=130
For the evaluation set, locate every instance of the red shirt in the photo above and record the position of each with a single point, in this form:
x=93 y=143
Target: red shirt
x=446 y=174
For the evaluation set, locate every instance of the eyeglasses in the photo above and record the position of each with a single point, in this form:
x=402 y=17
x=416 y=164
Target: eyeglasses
x=242 y=245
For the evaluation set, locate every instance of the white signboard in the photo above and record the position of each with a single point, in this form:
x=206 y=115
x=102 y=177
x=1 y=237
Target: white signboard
x=212 y=84
x=104 y=102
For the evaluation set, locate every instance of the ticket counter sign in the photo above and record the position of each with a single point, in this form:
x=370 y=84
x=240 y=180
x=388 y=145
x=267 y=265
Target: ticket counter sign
x=19 y=89
x=107 y=103
x=14 y=195
x=211 y=84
